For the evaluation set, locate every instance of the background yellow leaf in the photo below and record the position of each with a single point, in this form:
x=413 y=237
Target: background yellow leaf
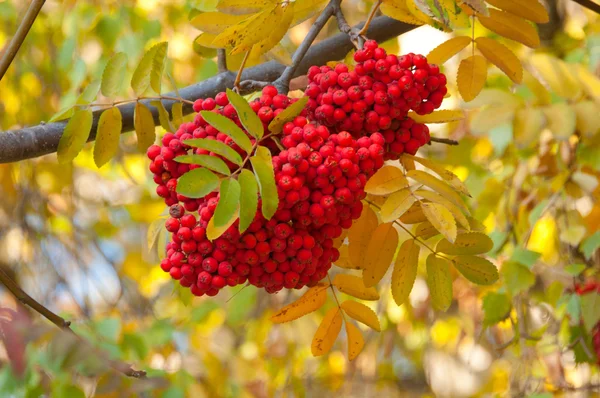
x=528 y=125
x=441 y=219
x=439 y=281
x=448 y=49
x=472 y=73
x=356 y=342
x=510 y=26
x=359 y=236
x=312 y=300
x=588 y=118
x=501 y=56
x=354 y=286
x=361 y=313
x=466 y=243
x=327 y=332
x=380 y=253
x=562 y=120
x=557 y=75
x=405 y=271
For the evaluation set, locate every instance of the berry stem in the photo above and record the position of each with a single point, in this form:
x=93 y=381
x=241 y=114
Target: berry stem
x=374 y=9
x=336 y=297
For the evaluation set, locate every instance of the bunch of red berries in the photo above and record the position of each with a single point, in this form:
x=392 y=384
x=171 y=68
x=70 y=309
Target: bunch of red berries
x=376 y=95
x=583 y=289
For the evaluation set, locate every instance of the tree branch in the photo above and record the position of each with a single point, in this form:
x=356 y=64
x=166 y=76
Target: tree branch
x=221 y=60
x=31 y=142
x=63 y=324
x=589 y=4
x=14 y=45
x=446 y=141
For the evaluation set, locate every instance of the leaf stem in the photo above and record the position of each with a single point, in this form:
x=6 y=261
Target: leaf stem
x=238 y=77
x=374 y=9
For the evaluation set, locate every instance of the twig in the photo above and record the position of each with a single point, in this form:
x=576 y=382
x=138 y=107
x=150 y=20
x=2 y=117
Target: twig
x=283 y=82
x=589 y=4
x=14 y=45
x=221 y=60
x=250 y=86
x=364 y=29
x=354 y=34
x=63 y=324
x=446 y=141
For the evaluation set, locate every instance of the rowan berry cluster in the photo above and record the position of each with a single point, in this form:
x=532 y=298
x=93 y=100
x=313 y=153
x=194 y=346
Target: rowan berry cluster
x=377 y=96
x=586 y=288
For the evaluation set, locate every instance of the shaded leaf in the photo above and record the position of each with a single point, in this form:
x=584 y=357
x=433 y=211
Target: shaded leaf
x=439 y=281
x=414 y=215
x=359 y=236
x=229 y=128
x=107 y=136
x=143 y=123
x=154 y=229
x=397 y=204
x=248 y=198
x=361 y=313
x=531 y=10
x=163 y=115
x=229 y=200
x=426 y=230
x=210 y=162
x=74 y=136
x=216 y=22
x=287 y=115
x=113 y=75
x=439 y=199
x=496 y=308
x=263 y=169
x=356 y=342
x=140 y=81
x=511 y=26
x=380 y=253
x=386 y=180
x=441 y=219
x=590 y=310
x=501 y=56
x=197 y=183
x=248 y=118
x=158 y=66
x=213 y=232
x=312 y=300
x=217 y=147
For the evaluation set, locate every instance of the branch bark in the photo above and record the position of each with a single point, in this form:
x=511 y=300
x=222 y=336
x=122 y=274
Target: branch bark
x=20 y=35
x=589 y=4
x=31 y=142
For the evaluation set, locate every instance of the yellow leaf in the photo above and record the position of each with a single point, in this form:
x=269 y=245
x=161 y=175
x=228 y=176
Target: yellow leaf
x=284 y=15
x=588 y=118
x=243 y=6
x=472 y=73
x=589 y=81
x=234 y=34
x=542 y=95
x=213 y=232
x=396 y=205
x=439 y=281
x=441 y=116
x=386 y=180
x=532 y=10
x=417 y=13
x=510 y=26
x=359 y=236
x=448 y=49
x=327 y=332
x=354 y=286
x=305 y=9
x=557 y=74
x=206 y=40
x=494 y=96
x=491 y=117
x=441 y=219
x=216 y=22
x=426 y=230
x=74 y=136
x=107 y=137
x=407 y=163
x=467 y=243
x=254 y=31
x=356 y=342
x=380 y=253
x=312 y=300
x=439 y=199
x=528 y=125
x=562 y=120
x=476 y=269
x=439 y=186
x=344 y=260
x=414 y=215
x=153 y=230
x=399 y=11
x=446 y=175
x=361 y=313
x=501 y=56
x=405 y=271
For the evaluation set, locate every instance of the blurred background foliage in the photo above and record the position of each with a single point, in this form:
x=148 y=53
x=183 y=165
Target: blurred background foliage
x=74 y=237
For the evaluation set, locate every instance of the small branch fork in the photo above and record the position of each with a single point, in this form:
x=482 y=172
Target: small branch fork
x=63 y=324
x=14 y=45
x=589 y=4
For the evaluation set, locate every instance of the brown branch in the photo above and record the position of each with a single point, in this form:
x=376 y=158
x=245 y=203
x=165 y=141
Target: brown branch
x=14 y=45
x=446 y=141
x=353 y=33
x=221 y=60
x=31 y=142
x=63 y=324
x=589 y=4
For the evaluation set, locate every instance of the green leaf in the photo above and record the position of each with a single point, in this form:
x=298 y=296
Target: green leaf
x=287 y=115
x=109 y=328
x=249 y=119
x=210 y=162
x=63 y=114
x=577 y=333
x=135 y=343
x=229 y=200
x=439 y=281
x=536 y=213
x=263 y=169
x=197 y=183
x=525 y=257
x=158 y=66
x=590 y=245
x=107 y=137
x=113 y=75
x=74 y=136
x=496 y=308
x=517 y=277
x=476 y=269
x=248 y=198
x=145 y=130
x=154 y=229
x=228 y=127
x=140 y=81
x=590 y=310
x=217 y=147
x=575 y=269
x=89 y=94
x=163 y=115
